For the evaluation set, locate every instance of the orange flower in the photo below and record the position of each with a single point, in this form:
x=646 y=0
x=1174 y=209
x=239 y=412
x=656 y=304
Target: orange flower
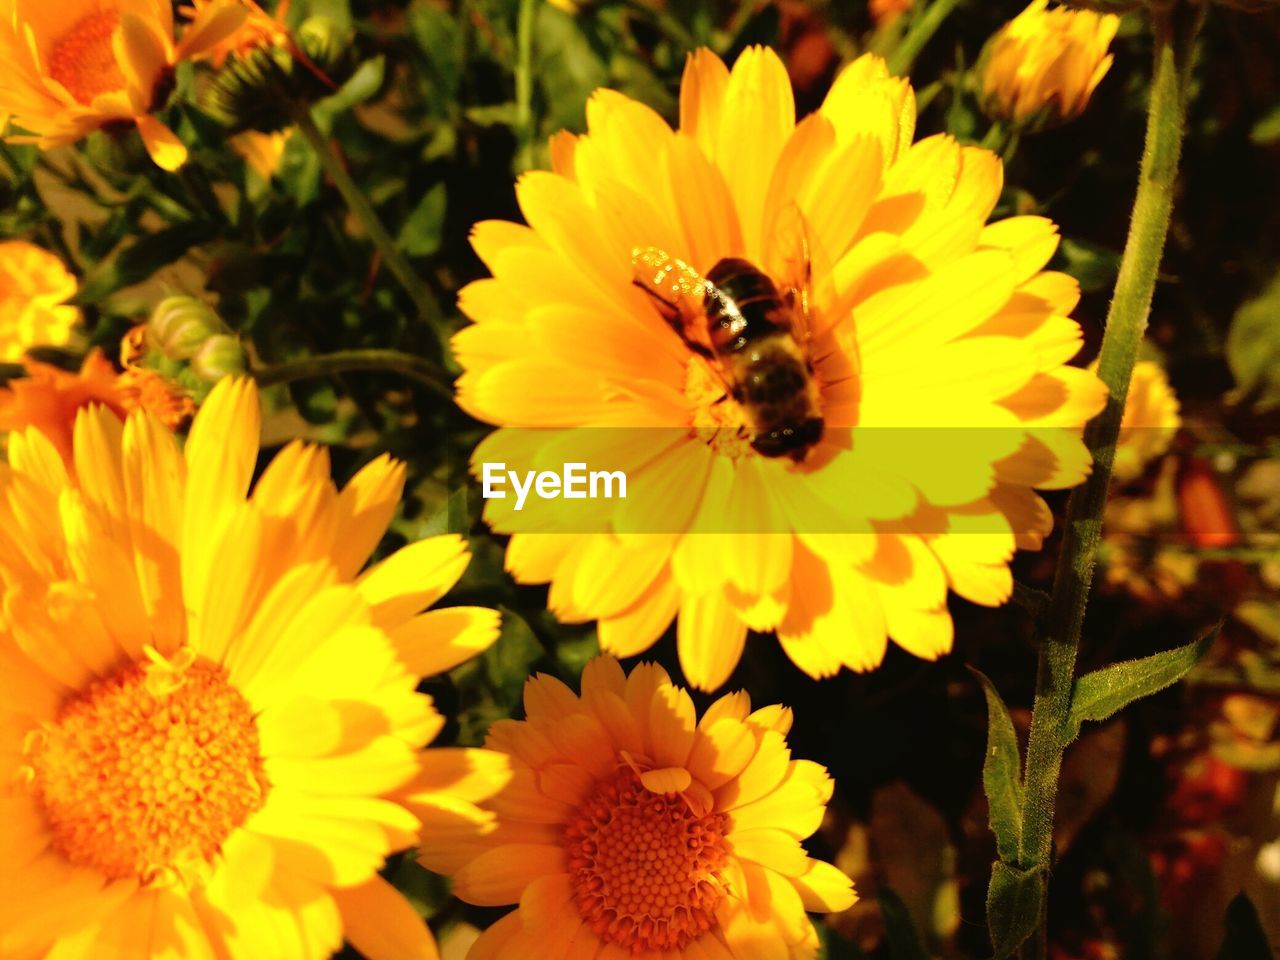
x=49 y=398
x=259 y=28
x=631 y=828
x=75 y=66
x=34 y=289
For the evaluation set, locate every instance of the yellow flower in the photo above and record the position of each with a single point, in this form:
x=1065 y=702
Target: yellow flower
x=631 y=828
x=76 y=66
x=209 y=720
x=1151 y=419
x=262 y=151
x=1043 y=65
x=34 y=289
x=936 y=336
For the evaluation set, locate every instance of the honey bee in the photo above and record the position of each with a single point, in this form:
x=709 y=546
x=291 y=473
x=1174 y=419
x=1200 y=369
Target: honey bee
x=755 y=335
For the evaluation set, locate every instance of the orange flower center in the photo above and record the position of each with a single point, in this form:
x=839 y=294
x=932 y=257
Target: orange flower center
x=84 y=61
x=718 y=420
x=645 y=870
x=149 y=770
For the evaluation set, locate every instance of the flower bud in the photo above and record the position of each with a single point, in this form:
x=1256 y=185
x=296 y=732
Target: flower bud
x=1040 y=69
x=249 y=91
x=253 y=88
x=181 y=325
x=219 y=357
x=327 y=47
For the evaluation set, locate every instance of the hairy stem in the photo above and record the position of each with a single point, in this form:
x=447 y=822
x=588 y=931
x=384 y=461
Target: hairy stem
x=413 y=368
x=524 y=84
x=1126 y=321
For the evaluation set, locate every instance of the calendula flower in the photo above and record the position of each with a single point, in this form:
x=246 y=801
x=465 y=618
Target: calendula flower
x=210 y=720
x=76 y=66
x=34 y=290
x=258 y=28
x=50 y=398
x=1151 y=419
x=631 y=828
x=938 y=351
x=1042 y=66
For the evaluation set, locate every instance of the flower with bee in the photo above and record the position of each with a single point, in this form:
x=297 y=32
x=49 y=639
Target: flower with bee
x=833 y=381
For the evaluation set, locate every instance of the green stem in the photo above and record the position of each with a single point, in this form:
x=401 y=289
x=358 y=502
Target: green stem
x=428 y=309
x=524 y=84
x=921 y=31
x=1126 y=322
x=406 y=365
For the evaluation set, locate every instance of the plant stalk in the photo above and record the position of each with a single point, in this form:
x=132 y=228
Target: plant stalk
x=425 y=302
x=921 y=31
x=1126 y=321
x=524 y=84
x=407 y=365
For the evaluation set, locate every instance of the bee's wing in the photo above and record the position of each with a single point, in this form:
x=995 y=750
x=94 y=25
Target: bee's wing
x=679 y=292
x=800 y=264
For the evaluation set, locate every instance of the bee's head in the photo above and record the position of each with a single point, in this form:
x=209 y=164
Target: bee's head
x=790 y=441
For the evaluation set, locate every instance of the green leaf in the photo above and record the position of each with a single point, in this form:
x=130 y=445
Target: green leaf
x=1245 y=938
x=364 y=83
x=439 y=36
x=1002 y=773
x=1104 y=692
x=1267 y=130
x=1253 y=348
x=1095 y=267
x=904 y=938
x=1014 y=902
x=423 y=230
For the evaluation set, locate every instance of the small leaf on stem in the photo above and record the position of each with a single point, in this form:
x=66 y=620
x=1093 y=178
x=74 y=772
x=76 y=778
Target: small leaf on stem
x=1014 y=902
x=1002 y=773
x=1100 y=694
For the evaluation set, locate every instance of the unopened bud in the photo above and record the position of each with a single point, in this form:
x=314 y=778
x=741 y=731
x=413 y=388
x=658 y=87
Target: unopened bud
x=180 y=326
x=329 y=59
x=220 y=356
x=1041 y=68
x=250 y=90
x=253 y=88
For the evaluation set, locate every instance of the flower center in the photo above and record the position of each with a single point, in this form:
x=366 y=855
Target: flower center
x=84 y=60
x=149 y=770
x=718 y=421
x=645 y=869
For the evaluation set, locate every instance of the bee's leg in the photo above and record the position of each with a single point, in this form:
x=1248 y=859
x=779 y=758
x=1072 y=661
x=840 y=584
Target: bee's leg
x=671 y=313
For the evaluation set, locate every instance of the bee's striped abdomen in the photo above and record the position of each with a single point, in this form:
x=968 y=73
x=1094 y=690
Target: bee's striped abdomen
x=742 y=306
